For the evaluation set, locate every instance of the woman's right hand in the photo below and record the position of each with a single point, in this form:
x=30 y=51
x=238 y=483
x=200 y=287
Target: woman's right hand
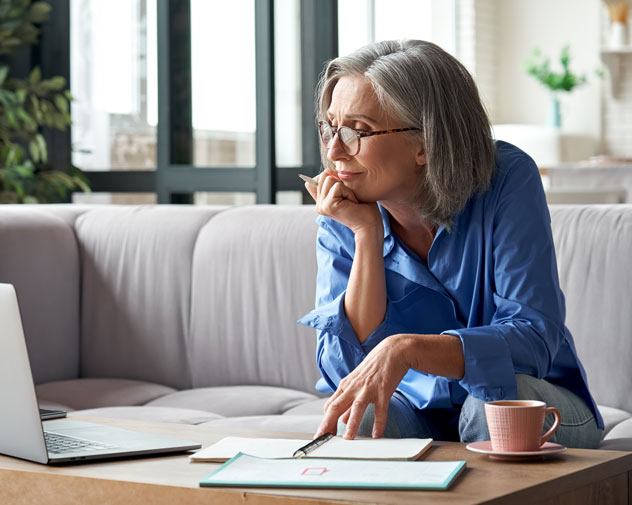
x=337 y=201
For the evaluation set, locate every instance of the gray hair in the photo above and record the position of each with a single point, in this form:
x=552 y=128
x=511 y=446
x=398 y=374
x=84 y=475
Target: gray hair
x=425 y=87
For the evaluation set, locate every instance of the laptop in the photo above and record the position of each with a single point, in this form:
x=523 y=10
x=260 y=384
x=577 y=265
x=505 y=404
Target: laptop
x=22 y=433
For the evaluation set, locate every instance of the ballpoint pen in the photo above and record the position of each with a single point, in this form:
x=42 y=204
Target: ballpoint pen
x=307 y=448
x=309 y=180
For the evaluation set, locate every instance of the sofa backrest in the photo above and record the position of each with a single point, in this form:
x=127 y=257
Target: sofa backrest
x=39 y=256
x=198 y=296
x=136 y=291
x=204 y=296
x=593 y=244
x=254 y=276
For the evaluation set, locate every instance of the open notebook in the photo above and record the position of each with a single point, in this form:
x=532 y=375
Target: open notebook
x=334 y=448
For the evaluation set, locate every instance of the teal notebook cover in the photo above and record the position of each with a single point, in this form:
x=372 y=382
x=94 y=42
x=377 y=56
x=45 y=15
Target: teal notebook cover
x=249 y=471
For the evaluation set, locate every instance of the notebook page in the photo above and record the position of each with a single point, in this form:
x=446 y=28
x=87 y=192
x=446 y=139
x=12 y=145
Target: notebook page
x=377 y=448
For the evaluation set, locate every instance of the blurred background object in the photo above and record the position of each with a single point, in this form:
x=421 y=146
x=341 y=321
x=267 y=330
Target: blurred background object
x=28 y=107
x=618 y=10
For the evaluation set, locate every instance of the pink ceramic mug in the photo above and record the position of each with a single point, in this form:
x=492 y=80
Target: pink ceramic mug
x=516 y=425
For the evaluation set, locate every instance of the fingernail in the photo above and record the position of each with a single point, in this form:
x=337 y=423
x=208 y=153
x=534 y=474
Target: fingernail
x=308 y=180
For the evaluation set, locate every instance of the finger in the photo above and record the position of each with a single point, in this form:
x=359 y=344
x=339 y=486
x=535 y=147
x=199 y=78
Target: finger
x=312 y=191
x=336 y=394
x=329 y=172
x=325 y=185
x=381 y=415
x=345 y=192
x=329 y=424
x=357 y=411
x=345 y=417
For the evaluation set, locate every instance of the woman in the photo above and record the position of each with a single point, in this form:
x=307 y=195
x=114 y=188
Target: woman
x=437 y=283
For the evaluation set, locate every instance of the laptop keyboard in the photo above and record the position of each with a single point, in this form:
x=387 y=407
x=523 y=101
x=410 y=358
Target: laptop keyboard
x=60 y=444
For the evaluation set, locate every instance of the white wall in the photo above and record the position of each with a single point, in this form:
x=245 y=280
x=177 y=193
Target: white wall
x=549 y=24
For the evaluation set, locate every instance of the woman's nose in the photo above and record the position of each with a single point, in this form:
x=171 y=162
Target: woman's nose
x=337 y=150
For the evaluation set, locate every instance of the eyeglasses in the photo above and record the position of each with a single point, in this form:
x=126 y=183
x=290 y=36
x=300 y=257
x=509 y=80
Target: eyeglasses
x=349 y=138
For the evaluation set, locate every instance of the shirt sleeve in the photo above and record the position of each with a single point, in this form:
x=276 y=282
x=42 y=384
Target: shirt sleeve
x=338 y=349
x=527 y=327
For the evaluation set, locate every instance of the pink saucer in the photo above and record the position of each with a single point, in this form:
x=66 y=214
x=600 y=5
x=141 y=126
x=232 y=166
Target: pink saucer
x=486 y=448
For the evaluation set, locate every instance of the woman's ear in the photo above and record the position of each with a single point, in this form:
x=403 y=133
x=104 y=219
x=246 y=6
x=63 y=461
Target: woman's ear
x=420 y=157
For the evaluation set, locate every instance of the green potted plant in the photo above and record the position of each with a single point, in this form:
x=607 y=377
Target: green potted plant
x=539 y=66
x=27 y=108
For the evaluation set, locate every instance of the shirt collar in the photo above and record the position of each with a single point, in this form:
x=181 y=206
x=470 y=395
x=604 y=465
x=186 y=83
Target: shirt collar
x=389 y=240
x=400 y=260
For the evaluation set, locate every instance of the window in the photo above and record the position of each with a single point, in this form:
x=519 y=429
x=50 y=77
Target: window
x=113 y=82
x=192 y=100
x=223 y=83
x=361 y=22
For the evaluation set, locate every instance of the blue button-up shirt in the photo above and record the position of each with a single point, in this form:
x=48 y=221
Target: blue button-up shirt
x=491 y=280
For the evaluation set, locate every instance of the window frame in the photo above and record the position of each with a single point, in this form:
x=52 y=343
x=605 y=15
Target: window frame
x=176 y=179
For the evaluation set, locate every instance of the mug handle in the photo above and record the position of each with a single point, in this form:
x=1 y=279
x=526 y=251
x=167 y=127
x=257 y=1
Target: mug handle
x=556 y=424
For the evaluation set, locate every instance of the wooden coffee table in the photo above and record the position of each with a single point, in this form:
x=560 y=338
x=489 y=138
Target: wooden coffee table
x=574 y=477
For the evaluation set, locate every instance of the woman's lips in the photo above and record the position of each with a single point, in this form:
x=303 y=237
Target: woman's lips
x=345 y=175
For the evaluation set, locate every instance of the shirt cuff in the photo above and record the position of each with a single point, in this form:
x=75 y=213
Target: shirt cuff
x=322 y=386
x=489 y=371
x=332 y=319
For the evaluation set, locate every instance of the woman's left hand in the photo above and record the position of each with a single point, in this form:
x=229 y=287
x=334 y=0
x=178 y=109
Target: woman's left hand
x=373 y=381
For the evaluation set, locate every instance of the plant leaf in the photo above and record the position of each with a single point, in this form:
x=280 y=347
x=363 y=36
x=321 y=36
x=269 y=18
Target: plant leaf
x=36 y=76
x=11 y=118
x=39 y=12
x=41 y=142
x=9 y=44
x=27 y=33
x=20 y=94
x=34 y=151
x=56 y=83
x=4 y=71
x=62 y=103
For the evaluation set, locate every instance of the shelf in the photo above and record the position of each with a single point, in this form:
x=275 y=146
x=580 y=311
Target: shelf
x=616 y=50
x=614 y=59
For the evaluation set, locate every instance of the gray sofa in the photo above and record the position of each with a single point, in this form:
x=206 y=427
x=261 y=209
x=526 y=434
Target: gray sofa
x=188 y=314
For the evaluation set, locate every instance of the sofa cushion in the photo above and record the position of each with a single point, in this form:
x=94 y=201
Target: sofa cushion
x=616 y=444
x=593 y=244
x=315 y=407
x=621 y=430
x=91 y=393
x=236 y=400
x=307 y=424
x=136 y=291
x=152 y=414
x=612 y=417
x=254 y=276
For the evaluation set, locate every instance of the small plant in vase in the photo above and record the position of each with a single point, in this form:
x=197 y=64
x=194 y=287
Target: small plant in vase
x=539 y=66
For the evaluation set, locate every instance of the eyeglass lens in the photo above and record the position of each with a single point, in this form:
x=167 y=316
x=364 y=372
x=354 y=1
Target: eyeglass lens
x=348 y=137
